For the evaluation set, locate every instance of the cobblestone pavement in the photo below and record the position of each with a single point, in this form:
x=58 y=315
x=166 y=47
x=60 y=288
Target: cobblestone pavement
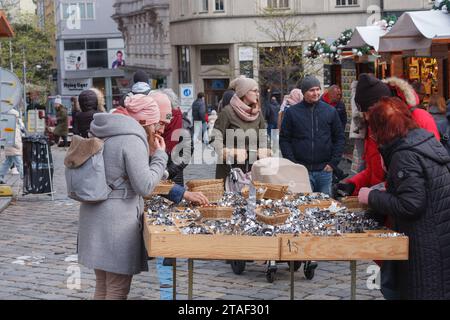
x=38 y=260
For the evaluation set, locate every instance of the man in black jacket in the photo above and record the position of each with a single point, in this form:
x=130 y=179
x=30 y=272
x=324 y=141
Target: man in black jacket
x=199 y=115
x=312 y=136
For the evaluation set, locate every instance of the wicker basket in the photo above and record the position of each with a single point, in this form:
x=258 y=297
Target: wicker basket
x=277 y=219
x=213 y=192
x=321 y=204
x=200 y=183
x=163 y=188
x=215 y=212
x=259 y=194
x=273 y=191
x=352 y=203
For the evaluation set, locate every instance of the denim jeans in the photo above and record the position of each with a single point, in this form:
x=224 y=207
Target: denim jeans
x=17 y=160
x=200 y=129
x=321 y=181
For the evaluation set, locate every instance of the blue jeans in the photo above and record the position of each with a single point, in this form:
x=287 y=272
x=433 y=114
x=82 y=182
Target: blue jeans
x=17 y=160
x=321 y=181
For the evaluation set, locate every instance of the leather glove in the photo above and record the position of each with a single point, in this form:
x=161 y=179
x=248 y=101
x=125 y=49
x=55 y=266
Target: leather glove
x=345 y=189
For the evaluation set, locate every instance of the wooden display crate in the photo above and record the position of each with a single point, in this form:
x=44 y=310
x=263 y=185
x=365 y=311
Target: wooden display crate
x=168 y=242
x=361 y=246
x=173 y=244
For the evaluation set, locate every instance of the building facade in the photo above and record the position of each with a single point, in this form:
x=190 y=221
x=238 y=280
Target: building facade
x=145 y=28
x=90 y=49
x=219 y=37
x=214 y=41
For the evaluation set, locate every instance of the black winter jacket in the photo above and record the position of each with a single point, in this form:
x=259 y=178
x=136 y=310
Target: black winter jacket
x=312 y=135
x=418 y=200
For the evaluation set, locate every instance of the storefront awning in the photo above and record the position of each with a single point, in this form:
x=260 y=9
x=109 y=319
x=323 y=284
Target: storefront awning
x=364 y=36
x=416 y=30
x=5 y=28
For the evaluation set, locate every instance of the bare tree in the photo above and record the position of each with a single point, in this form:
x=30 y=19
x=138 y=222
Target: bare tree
x=8 y=6
x=282 y=64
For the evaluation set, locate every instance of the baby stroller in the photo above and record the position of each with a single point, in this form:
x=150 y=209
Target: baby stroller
x=275 y=171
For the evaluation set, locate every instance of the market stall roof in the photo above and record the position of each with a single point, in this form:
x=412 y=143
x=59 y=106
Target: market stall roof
x=363 y=36
x=5 y=28
x=416 y=30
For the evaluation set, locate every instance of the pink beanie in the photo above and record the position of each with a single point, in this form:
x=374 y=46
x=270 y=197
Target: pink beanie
x=143 y=109
x=164 y=104
x=295 y=97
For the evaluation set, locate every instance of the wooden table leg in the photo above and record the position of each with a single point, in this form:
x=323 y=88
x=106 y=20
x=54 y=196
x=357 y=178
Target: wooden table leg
x=174 y=279
x=353 y=281
x=190 y=278
x=291 y=267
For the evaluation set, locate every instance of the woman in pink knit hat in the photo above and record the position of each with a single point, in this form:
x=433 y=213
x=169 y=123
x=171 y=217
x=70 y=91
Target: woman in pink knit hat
x=156 y=108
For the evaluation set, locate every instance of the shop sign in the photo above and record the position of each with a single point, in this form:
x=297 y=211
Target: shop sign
x=76 y=86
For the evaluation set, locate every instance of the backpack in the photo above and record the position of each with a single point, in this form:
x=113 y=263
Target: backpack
x=85 y=171
x=445 y=137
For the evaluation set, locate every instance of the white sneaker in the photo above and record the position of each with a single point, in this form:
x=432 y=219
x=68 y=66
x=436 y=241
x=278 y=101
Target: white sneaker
x=14 y=171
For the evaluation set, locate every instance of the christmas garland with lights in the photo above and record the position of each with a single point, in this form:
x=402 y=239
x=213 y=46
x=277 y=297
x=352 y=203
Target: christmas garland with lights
x=319 y=48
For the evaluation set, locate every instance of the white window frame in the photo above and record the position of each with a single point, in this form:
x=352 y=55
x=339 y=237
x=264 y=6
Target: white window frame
x=278 y=4
x=221 y=3
x=66 y=5
x=347 y=3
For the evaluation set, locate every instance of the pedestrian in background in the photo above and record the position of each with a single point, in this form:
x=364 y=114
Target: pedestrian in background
x=273 y=109
x=358 y=132
x=333 y=96
x=75 y=109
x=13 y=154
x=438 y=109
x=293 y=98
x=312 y=135
x=62 y=125
x=417 y=199
x=89 y=105
x=199 y=117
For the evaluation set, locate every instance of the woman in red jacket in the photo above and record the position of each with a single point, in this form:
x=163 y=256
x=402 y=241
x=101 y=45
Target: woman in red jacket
x=368 y=92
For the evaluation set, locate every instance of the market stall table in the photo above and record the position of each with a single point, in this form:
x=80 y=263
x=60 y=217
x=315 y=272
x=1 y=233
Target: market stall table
x=167 y=241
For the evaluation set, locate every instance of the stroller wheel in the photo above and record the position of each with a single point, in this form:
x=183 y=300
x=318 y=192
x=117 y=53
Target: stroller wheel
x=237 y=266
x=270 y=275
x=310 y=269
x=297 y=265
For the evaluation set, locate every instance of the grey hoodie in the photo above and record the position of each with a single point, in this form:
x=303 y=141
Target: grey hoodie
x=110 y=233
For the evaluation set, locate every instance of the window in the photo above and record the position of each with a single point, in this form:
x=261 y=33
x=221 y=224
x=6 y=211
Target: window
x=214 y=57
x=86 y=10
x=184 y=65
x=95 y=51
x=219 y=5
x=204 y=6
x=74 y=45
x=278 y=4
x=346 y=2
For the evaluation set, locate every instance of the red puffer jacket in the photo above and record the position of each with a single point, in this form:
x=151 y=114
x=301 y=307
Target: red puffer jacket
x=374 y=173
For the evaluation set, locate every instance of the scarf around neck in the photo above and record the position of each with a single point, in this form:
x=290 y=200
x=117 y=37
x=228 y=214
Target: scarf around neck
x=243 y=111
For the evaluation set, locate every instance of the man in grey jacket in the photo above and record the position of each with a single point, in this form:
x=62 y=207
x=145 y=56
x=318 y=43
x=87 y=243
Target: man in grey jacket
x=199 y=116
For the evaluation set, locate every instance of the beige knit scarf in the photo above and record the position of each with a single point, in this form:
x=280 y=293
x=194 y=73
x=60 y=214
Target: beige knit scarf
x=244 y=112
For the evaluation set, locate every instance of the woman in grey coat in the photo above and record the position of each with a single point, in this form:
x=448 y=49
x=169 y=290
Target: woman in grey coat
x=110 y=232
